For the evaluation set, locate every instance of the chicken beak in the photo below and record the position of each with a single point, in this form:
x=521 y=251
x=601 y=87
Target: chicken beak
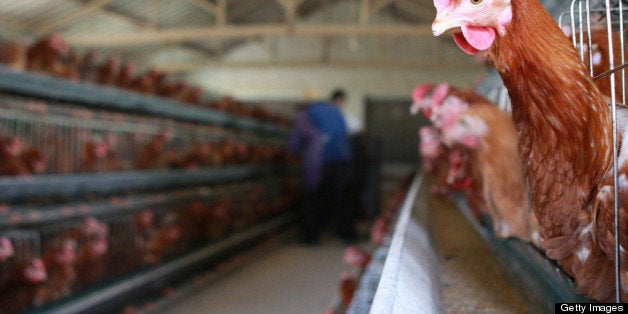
x=428 y=113
x=443 y=22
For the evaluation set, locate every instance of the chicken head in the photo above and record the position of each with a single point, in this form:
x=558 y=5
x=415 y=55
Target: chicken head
x=475 y=23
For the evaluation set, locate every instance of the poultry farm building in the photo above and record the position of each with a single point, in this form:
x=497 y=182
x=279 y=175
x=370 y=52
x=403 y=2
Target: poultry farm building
x=144 y=161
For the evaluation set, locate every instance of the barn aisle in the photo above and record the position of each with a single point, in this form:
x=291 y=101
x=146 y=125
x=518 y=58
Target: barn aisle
x=292 y=278
x=289 y=279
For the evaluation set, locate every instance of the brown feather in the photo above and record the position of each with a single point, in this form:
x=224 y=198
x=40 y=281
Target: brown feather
x=565 y=141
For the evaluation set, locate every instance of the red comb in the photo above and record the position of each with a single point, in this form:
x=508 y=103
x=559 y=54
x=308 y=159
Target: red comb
x=439 y=94
x=420 y=91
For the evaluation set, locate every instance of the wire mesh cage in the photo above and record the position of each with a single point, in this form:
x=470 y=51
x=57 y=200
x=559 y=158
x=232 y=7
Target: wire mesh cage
x=48 y=138
x=135 y=233
x=86 y=238
x=499 y=96
x=17 y=247
x=122 y=253
x=596 y=29
x=22 y=271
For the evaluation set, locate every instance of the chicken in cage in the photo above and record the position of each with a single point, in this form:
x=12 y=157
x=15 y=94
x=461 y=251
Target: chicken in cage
x=164 y=239
x=146 y=237
x=221 y=219
x=586 y=26
x=195 y=216
x=34 y=143
x=59 y=144
x=23 y=273
x=59 y=254
x=596 y=29
x=124 y=235
x=7 y=254
x=93 y=252
x=144 y=222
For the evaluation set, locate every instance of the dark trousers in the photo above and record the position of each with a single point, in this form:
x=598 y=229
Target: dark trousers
x=327 y=205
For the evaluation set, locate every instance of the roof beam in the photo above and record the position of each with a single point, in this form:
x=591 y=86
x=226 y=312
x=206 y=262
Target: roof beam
x=112 y=14
x=365 y=11
x=143 y=37
x=221 y=12
x=87 y=9
x=145 y=24
x=290 y=9
x=388 y=64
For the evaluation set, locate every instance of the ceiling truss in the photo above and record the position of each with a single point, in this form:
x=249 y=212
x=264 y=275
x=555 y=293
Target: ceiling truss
x=223 y=30
x=144 y=37
x=228 y=26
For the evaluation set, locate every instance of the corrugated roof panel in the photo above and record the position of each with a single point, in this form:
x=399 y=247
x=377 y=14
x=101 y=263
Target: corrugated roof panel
x=22 y=10
x=100 y=23
x=166 y=13
x=34 y=15
x=261 y=11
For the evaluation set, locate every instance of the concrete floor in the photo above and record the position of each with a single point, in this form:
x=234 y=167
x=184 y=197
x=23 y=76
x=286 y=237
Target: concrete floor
x=290 y=279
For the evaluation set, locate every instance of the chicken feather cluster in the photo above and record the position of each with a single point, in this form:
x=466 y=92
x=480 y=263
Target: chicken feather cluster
x=471 y=144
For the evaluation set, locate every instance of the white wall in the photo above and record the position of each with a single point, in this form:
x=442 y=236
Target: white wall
x=305 y=83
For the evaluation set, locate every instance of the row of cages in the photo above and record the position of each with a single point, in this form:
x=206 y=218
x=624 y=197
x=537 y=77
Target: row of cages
x=41 y=263
x=56 y=248
x=51 y=55
x=47 y=137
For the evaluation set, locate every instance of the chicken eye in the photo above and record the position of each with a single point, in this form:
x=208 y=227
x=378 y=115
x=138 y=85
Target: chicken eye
x=476 y=1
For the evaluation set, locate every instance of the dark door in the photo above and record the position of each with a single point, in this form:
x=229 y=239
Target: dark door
x=395 y=128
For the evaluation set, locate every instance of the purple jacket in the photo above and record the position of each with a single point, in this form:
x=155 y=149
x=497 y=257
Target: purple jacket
x=306 y=141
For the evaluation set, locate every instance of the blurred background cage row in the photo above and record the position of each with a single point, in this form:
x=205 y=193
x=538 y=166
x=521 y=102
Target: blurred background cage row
x=104 y=187
x=58 y=139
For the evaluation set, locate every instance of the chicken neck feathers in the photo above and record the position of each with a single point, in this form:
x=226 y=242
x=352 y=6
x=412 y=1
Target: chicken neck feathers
x=565 y=143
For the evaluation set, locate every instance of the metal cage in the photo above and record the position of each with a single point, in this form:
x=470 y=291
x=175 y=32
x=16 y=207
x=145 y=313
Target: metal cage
x=69 y=138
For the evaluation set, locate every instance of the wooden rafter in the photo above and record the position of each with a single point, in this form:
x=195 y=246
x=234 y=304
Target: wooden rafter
x=244 y=32
x=221 y=12
x=387 y=64
x=290 y=9
x=113 y=14
x=143 y=23
x=365 y=11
